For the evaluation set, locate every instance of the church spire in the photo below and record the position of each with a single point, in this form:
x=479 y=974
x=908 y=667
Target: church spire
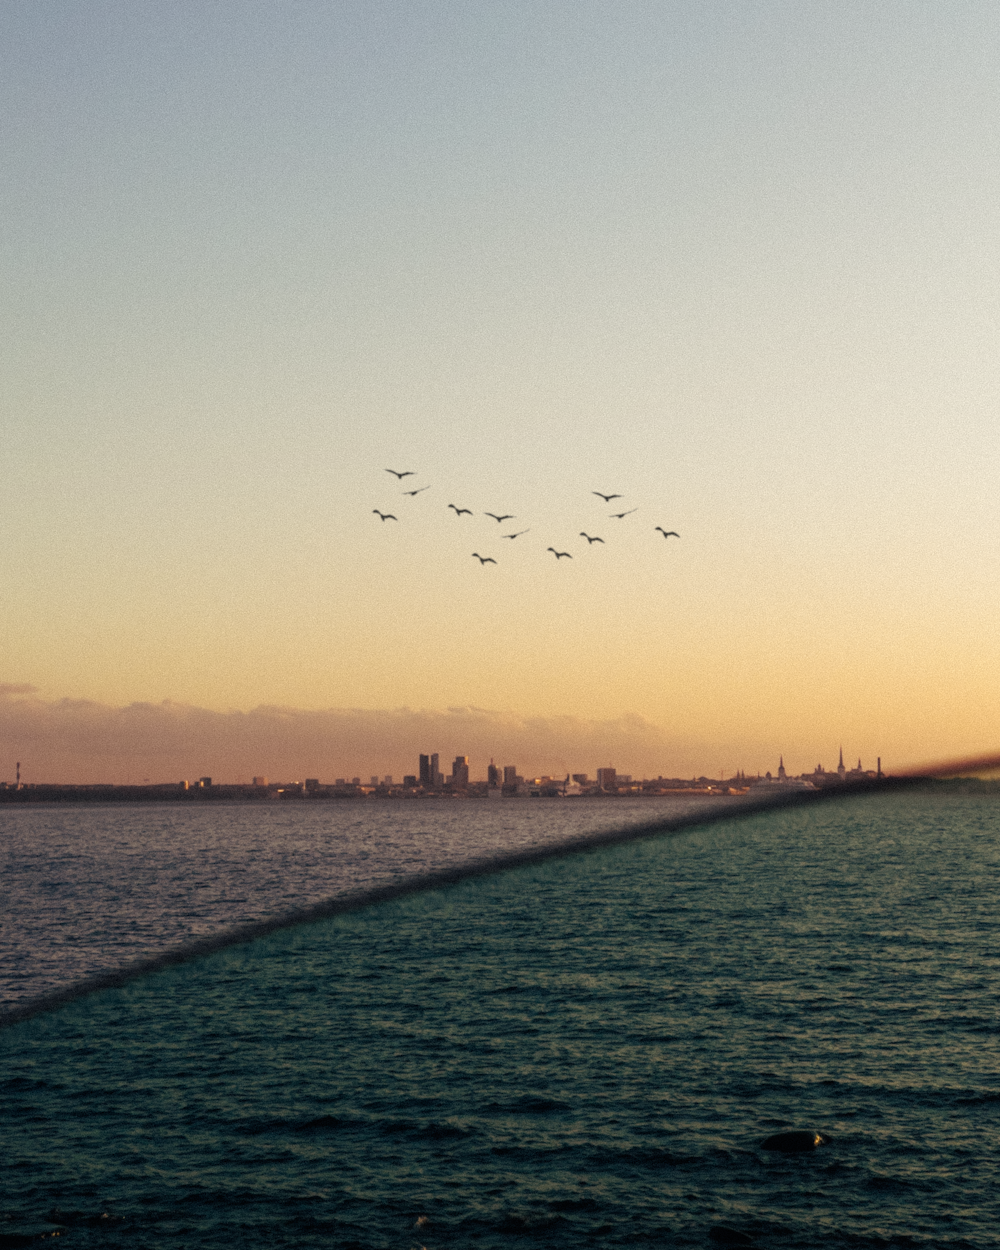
x=841 y=770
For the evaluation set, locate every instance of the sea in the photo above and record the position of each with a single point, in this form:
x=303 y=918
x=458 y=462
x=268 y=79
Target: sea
x=590 y=1050
x=87 y=889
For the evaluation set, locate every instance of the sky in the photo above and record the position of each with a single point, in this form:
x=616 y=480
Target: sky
x=734 y=262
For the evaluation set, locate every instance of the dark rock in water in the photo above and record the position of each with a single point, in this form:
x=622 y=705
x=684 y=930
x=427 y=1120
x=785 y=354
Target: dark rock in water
x=729 y=1236
x=28 y=1236
x=793 y=1143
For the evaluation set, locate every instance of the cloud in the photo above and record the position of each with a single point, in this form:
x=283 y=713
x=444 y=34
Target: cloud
x=11 y=688
x=71 y=740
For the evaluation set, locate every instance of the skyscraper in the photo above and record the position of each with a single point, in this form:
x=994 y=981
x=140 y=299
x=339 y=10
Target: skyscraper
x=425 y=771
x=460 y=771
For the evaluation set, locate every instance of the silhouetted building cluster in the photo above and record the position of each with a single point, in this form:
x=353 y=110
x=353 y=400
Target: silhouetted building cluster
x=429 y=781
x=819 y=778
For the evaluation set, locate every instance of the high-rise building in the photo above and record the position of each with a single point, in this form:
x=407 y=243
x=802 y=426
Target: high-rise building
x=460 y=771
x=607 y=779
x=437 y=776
x=425 y=771
x=492 y=776
x=510 y=774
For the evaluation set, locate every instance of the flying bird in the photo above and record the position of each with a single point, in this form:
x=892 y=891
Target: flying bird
x=589 y=539
x=384 y=516
x=606 y=498
x=667 y=533
x=618 y=515
x=405 y=473
x=416 y=492
x=459 y=511
x=559 y=554
x=483 y=559
x=507 y=517
x=517 y=535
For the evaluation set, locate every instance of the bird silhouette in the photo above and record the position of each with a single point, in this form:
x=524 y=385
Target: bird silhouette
x=559 y=554
x=667 y=533
x=606 y=498
x=459 y=511
x=384 y=516
x=405 y=473
x=417 y=491
x=507 y=517
x=589 y=539
x=483 y=559
x=618 y=515
x=517 y=535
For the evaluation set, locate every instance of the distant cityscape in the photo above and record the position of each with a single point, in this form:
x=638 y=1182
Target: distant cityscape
x=430 y=782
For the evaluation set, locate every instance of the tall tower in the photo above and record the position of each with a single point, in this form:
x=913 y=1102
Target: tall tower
x=781 y=768
x=841 y=770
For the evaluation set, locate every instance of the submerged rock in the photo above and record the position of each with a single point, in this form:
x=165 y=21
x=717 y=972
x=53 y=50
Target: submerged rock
x=794 y=1142
x=28 y=1236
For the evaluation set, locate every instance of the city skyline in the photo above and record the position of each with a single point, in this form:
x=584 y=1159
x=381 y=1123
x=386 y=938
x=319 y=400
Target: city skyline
x=499 y=781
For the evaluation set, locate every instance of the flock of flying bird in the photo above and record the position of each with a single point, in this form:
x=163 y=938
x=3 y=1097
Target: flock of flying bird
x=507 y=516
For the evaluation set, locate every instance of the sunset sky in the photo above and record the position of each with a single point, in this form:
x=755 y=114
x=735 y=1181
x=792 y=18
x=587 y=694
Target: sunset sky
x=736 y=262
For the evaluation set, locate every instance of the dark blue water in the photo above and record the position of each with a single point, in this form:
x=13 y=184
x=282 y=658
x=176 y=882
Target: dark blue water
x=588 y=1052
